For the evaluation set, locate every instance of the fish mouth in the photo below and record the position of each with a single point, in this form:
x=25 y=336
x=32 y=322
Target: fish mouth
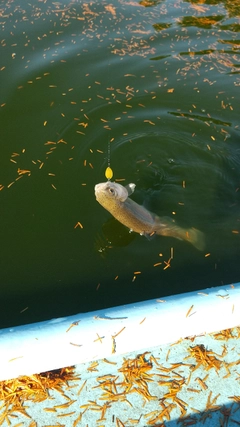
x=96 y=190
x=99 y=188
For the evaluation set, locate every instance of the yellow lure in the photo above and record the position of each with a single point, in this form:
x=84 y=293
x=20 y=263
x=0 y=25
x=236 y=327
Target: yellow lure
x=108 y=173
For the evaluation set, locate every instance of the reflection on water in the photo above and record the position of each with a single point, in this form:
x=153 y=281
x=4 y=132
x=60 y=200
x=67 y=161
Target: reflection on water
x=159 y=81
x=201 y=22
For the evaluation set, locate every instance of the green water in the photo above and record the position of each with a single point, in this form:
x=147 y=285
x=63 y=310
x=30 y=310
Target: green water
x=158 y=81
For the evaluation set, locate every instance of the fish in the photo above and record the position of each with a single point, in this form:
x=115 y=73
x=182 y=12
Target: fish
x=115 y=199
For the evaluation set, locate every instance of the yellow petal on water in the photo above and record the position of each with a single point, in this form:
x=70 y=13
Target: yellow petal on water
x=108 y=173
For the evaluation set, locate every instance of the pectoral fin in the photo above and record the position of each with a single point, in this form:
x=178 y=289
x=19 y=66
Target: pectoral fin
x=130 y=188
x=148 y=236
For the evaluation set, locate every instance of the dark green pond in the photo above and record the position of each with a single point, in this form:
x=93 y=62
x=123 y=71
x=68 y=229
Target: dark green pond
x=159 y=82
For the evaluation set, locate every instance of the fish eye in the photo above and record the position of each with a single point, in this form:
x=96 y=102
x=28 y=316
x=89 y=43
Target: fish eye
x=111 y=190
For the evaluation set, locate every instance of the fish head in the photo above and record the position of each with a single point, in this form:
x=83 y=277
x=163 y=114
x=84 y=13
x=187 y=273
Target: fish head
x=109 y=193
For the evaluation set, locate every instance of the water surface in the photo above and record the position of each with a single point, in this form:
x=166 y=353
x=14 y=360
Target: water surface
x=158 y=81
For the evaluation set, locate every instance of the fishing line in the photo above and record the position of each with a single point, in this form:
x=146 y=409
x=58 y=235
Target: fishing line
x=109 y=152
x=108 y=171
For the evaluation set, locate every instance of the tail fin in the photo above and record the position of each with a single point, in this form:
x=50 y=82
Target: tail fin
x=196 y=238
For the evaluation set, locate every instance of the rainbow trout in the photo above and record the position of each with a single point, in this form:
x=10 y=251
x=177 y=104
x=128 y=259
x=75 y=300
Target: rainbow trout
x=115 y=199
